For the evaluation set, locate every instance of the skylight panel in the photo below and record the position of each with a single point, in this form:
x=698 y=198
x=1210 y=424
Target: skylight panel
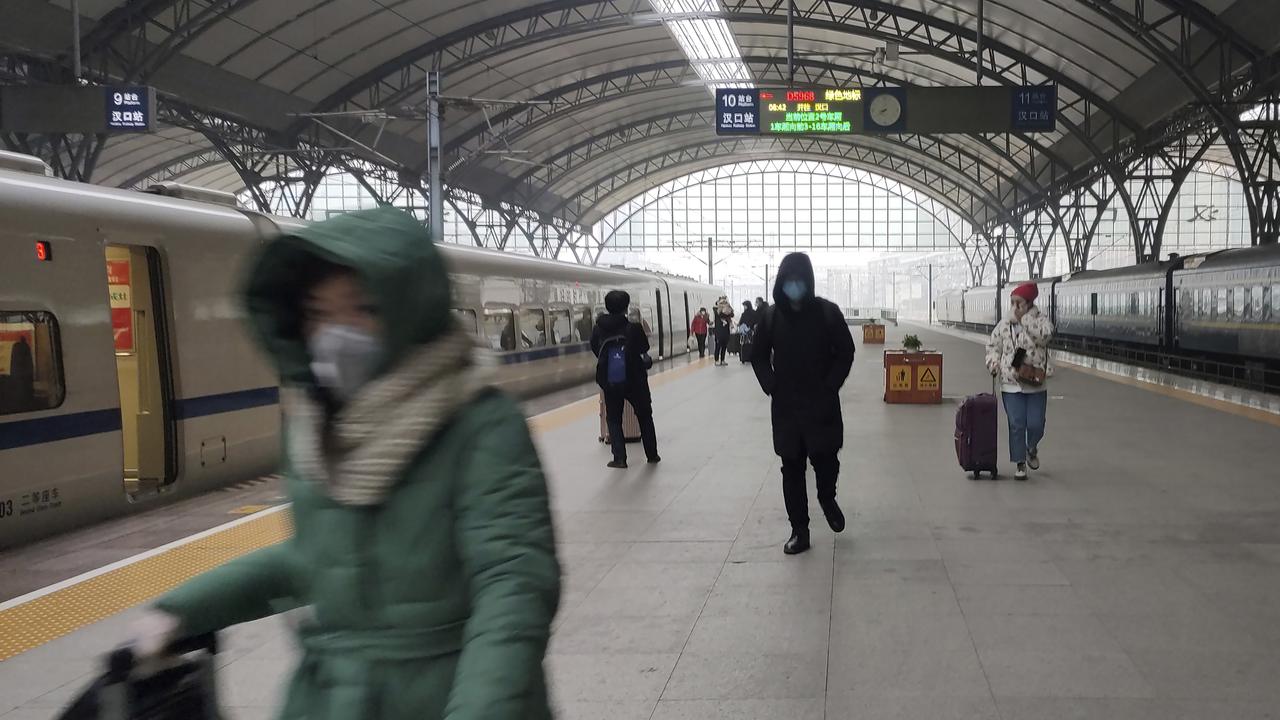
x=706 y=40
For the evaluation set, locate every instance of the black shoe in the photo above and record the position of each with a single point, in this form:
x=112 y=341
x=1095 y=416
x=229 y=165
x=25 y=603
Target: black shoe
x=798 y=543
x=654 y=460
x=835 y=518
x=618 y=464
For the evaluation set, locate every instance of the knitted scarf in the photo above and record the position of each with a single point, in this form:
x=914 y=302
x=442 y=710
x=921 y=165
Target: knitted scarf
x=370 y=442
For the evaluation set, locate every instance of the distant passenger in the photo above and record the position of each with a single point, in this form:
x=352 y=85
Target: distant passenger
x=699 y=328
x=622 y=349
x=18 y=388
x=723 y=329
x=802 y=356
x=584 y=325
x=508 y=341
x=1018 y=354
x=748 y=316
x=746 y=326
x=423 y=549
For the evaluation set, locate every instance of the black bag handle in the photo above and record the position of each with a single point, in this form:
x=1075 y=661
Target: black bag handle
x=121 y=661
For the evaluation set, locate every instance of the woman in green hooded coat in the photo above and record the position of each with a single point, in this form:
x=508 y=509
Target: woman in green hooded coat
x=423 y=549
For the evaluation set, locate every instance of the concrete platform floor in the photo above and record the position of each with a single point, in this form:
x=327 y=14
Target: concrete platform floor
x=1137 y=575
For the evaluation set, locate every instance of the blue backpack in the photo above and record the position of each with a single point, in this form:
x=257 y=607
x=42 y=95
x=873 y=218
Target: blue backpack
x=613 y=354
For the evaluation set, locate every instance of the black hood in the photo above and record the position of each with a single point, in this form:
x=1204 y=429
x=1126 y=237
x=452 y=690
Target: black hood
x=795 y=266
x=612 y=323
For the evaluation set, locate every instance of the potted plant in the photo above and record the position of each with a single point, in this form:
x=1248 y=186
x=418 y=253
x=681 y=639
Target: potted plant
x=912 y=343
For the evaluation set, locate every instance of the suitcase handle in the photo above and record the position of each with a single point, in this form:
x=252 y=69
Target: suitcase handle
x=121 y=661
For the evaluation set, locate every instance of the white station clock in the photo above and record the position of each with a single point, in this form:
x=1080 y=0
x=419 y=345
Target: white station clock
x=886 y=110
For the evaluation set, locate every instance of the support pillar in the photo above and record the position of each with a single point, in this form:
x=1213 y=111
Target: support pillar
x=1152 y=182
x=1081 y=211
x=1257 y=155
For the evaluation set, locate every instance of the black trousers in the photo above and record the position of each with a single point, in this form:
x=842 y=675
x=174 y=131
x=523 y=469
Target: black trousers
x=722 y=346
x=702 y=345
x=615 y=399
x=826 y=469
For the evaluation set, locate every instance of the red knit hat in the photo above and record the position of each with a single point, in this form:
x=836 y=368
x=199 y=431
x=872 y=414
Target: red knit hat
x=1028 y=292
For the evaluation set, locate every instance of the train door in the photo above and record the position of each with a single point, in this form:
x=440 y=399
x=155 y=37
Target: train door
x=1093 y=313
x=688 y=321
x=662 y=326
x=142 y=367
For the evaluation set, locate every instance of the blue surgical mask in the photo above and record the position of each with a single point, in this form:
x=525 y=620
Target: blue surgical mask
x=343 y=358
x=794 y=290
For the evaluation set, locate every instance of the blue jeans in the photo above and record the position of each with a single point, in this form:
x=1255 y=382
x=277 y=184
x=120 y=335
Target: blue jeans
x=1026 y=413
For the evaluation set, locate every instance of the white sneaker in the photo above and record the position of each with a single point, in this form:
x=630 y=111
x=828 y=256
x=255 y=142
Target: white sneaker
x=1021 y=474
x=1033 y=459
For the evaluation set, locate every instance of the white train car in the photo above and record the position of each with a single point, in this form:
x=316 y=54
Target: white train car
x=142 y=380
x=127 y=375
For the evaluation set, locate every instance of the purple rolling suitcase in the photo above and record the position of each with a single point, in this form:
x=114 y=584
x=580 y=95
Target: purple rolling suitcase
x=977 y=434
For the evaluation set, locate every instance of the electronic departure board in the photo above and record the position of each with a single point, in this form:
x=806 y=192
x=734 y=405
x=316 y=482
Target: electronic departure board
x=886 y=110
x=809 y=111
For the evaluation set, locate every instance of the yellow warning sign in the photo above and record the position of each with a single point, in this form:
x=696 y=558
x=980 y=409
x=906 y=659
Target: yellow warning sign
x=900 y=377
x=926 y=377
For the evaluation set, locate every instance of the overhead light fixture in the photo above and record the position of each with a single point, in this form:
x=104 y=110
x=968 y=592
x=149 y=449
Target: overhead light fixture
x=706 y=40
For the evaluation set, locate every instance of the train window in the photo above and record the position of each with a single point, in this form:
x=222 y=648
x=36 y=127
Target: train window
x=561 y=326
x=467 y=320
x=1222 y=303
x=1275 y=302
x=533 y=328
x=585 y=323
x=30 y=362
x=1258 y=296
x=1238 y=301
x=500 y=328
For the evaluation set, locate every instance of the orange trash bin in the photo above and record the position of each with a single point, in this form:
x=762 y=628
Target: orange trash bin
x=912 y=377
x=872 y=334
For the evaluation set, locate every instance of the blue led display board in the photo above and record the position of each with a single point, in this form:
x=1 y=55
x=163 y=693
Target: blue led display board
x=737 y=111
x=129 y=108
x=1034 y=108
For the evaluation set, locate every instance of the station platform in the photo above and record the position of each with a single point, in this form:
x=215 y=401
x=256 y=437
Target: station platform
x=1135 y=576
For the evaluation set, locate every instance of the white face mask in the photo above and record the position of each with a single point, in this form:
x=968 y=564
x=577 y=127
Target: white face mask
x=343 y=358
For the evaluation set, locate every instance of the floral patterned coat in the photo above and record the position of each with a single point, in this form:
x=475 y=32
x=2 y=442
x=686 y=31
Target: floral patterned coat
x=1031 y=334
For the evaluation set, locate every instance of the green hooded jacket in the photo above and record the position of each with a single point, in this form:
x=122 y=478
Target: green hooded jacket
x=438 y=602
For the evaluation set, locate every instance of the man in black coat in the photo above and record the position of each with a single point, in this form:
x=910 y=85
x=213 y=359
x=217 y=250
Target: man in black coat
x=613 y=326
x=803 y=353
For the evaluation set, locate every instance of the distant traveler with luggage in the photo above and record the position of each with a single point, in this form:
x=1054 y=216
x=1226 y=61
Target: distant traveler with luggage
x=699 y=328
x=723 y=329
x=622 y=361
x=747 y=322
x=802 y=356
x=423 y=550
x=1018 y=355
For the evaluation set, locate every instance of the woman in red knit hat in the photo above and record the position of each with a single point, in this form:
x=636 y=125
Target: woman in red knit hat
x=1018 y=354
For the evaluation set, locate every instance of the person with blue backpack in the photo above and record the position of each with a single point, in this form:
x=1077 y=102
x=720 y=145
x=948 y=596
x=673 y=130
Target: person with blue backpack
x=622 y=363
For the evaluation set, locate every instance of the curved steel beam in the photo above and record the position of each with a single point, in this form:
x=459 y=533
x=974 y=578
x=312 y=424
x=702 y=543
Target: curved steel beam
x=580 y=157
x=555 y=20
x=126 y=36
x=816 y=72
x=927 y=180
x=619 y=136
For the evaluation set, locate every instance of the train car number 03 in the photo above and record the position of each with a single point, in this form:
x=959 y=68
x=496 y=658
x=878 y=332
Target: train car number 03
x=6 y=508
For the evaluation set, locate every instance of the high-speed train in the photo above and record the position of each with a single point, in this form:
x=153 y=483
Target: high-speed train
x=1221 y=306
x=126 y=371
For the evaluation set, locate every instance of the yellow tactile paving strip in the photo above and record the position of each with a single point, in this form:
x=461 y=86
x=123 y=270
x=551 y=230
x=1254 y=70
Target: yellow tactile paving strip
x=63 y=611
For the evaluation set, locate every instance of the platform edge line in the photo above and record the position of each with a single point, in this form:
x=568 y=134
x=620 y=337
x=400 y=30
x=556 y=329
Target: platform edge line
x=125 y=562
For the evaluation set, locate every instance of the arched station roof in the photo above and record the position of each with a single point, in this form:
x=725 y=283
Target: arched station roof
x=619 y=107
